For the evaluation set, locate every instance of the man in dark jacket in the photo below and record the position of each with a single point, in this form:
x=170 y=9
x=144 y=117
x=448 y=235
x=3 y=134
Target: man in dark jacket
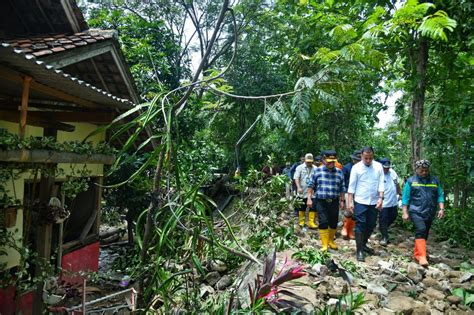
x=422 y=194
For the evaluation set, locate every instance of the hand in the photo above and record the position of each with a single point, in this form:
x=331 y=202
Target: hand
x=341 y=205
x=309 y=203
x=405 y=216
x=379 y=204
x=351 y=208
x=441 y=214
x=300 y=190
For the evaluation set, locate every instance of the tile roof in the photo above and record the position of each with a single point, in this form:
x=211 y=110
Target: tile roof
x=52 y=44
x=47 y=75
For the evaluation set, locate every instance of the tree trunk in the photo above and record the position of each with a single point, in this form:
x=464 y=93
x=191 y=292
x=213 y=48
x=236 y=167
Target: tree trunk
x=456 y=193
x=418 y=101
x=465 y=193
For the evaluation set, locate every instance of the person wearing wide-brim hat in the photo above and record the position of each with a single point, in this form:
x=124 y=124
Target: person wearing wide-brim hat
x=348 y=226
x=326 y=190
x=422 y=194
x=392 y=192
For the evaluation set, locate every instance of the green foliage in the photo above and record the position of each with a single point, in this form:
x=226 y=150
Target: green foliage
x=21 y=276
x=455 y=227
x=347 y=304
x=9 y=141
x=466 y=295
x=312 y=256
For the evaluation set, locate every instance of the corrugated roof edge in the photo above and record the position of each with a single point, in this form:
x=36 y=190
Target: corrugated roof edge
x=121 y=103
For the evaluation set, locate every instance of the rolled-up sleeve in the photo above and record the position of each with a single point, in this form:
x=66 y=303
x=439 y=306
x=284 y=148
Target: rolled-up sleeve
x=381 y=181
x=342 y=186
x=352 y=181
x=440 y=194
x=312 y=182
x=406 y=194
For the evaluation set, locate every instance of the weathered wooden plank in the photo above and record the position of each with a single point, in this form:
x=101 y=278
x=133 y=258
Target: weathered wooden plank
x=56 y=116
x=51 y=157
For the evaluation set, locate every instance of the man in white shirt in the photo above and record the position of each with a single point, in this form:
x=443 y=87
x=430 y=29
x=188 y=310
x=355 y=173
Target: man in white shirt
x=302 y=176
x=365 y=198
x=391 y=195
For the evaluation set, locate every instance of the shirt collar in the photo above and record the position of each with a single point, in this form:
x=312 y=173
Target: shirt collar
x=325 y=168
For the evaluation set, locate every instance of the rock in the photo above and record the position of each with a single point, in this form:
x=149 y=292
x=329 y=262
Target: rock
x=371 y=299
x=335 y=291
x=439 y=305
x=320 y=269
x=217 y=265
x=316 y=267
x=224 y=282
x=205 y=290
x=434 y=273
x=212 y=278
x=332 y=301
x=400 y=278
x=429 y=282
x=454 y=274
x=454 y=299
x=443 y=267
x=401 y=304
x=435 y=294
x=385 y=264
x=414 y=272
x=421 y=310
x=377 y=289
x=465 y=277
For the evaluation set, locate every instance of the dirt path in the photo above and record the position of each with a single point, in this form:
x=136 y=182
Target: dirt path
x=390 y=280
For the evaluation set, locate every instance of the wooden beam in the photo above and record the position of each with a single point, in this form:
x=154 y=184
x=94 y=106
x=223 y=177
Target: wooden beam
x=100 y=76
x=79 y=54
x=14 y=76
x=56 y=116
x=44 y=231
x=53 y=157
x=33 y=120
x=24 y=105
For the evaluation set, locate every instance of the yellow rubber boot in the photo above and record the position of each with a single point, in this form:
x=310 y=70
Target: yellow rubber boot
x=324 y=236
x=311 y=218
x=301 y=218
x=332 y=234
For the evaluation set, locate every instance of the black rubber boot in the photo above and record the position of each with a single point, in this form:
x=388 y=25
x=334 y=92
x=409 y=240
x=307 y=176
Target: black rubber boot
x=366 y=248
x=359 y=246
x=384 y=237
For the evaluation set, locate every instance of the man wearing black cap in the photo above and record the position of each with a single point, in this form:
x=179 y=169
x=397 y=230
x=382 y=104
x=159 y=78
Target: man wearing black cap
x=347 y=231
x=422 y=194
x=326 y=189
x=366 y=187
x=391 y=195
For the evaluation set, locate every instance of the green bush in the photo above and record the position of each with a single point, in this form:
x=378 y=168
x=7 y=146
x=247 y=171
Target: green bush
x=456 y=226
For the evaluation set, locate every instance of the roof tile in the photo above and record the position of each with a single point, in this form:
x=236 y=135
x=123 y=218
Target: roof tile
x=42 y=53
x=58 y=49
x=38 y=45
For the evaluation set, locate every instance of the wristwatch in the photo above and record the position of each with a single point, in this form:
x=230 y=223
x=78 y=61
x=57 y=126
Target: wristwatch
x=381 y=198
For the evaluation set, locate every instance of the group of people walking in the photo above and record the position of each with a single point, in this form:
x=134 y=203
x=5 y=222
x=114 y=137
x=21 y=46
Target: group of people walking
x=365 y=190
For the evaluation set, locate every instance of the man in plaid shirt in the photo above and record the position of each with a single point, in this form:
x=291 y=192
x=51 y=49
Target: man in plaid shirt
x=326 y=189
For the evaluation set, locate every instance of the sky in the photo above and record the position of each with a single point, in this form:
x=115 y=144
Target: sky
x=388 y=115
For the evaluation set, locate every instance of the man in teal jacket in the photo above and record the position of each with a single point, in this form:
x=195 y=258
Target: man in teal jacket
x=422 y=194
